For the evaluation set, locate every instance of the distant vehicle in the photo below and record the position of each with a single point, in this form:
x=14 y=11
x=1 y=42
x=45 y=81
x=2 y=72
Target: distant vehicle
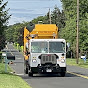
x=43 y=51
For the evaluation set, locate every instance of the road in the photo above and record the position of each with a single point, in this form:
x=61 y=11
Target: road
x=76 y=77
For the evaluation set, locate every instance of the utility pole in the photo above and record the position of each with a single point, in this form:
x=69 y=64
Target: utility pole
x=49 y=16
x=77 y=40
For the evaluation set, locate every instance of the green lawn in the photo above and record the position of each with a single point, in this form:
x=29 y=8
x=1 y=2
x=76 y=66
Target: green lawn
x=8 y=80
x=81 y=62
x=2 y=68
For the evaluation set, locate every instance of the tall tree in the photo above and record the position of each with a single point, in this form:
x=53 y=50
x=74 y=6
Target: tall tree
x=58 y=17
x=3 y=23
x=69 y=32
x=83 y=32
x=14 y=33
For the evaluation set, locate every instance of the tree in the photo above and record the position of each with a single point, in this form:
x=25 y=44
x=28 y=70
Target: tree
x=14 y=33
x=58 y=17
x=69 y=31
x=3 y=23
x=39 y=18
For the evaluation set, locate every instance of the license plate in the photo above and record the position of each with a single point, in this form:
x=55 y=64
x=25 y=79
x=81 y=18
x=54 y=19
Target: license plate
x=48 y=70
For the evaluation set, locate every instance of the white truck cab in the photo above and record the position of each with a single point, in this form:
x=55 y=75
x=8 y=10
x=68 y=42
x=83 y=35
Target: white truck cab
x=47 y=56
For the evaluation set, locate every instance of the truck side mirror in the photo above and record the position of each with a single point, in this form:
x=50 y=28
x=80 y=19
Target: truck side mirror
x=67 y=48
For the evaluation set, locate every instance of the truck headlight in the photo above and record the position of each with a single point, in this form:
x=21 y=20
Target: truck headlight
x=62 y=60
x=34 y=60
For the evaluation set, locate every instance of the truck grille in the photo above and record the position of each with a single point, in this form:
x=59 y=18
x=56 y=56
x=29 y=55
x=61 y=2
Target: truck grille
x=48 y=59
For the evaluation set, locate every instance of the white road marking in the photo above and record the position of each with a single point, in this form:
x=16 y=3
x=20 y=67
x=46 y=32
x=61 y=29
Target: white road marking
x=18 y=58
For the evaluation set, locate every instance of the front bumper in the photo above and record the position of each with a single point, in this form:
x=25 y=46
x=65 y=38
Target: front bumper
x=47 y=69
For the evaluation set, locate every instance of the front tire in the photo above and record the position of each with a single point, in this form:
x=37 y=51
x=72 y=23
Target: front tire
x=26 y=67
x=30 y=74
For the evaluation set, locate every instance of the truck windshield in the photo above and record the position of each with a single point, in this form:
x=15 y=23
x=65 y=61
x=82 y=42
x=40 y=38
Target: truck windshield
x=39 y=47
x=56 y=47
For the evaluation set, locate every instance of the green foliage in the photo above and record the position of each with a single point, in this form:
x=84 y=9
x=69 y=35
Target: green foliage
x=40 y=18
x=3 y=23
x=58 y=17
x=14 y=33
x=69 y=31
x=83 y=25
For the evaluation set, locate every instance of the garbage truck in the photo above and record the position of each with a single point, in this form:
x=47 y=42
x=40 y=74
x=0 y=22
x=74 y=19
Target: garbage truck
x=44 y=52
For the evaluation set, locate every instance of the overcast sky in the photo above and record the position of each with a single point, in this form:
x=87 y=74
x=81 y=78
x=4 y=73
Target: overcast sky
x=26 y=10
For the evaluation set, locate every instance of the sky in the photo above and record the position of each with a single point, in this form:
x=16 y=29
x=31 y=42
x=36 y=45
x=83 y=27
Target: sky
x=27 y=10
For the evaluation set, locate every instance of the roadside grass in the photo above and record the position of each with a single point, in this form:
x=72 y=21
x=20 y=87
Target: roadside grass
x=81 y=62
x=8 y=80
x=2 y=68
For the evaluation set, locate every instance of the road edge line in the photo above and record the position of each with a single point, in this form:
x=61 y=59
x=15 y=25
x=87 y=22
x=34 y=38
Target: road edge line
x=86 y=77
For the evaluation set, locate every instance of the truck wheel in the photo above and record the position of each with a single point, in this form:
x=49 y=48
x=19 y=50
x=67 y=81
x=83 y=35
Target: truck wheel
x=30 y=74
x=62 y=74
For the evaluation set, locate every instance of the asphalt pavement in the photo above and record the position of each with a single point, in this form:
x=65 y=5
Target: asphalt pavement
x=76 y=77
x=18 y=63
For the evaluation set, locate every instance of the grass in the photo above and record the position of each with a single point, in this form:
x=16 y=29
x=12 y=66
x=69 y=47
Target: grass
x=12 y=81
x=2 y=68
x=8 y=80
x=81 y=62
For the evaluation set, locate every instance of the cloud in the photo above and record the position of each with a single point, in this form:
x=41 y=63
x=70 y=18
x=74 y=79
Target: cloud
x=26 y=10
